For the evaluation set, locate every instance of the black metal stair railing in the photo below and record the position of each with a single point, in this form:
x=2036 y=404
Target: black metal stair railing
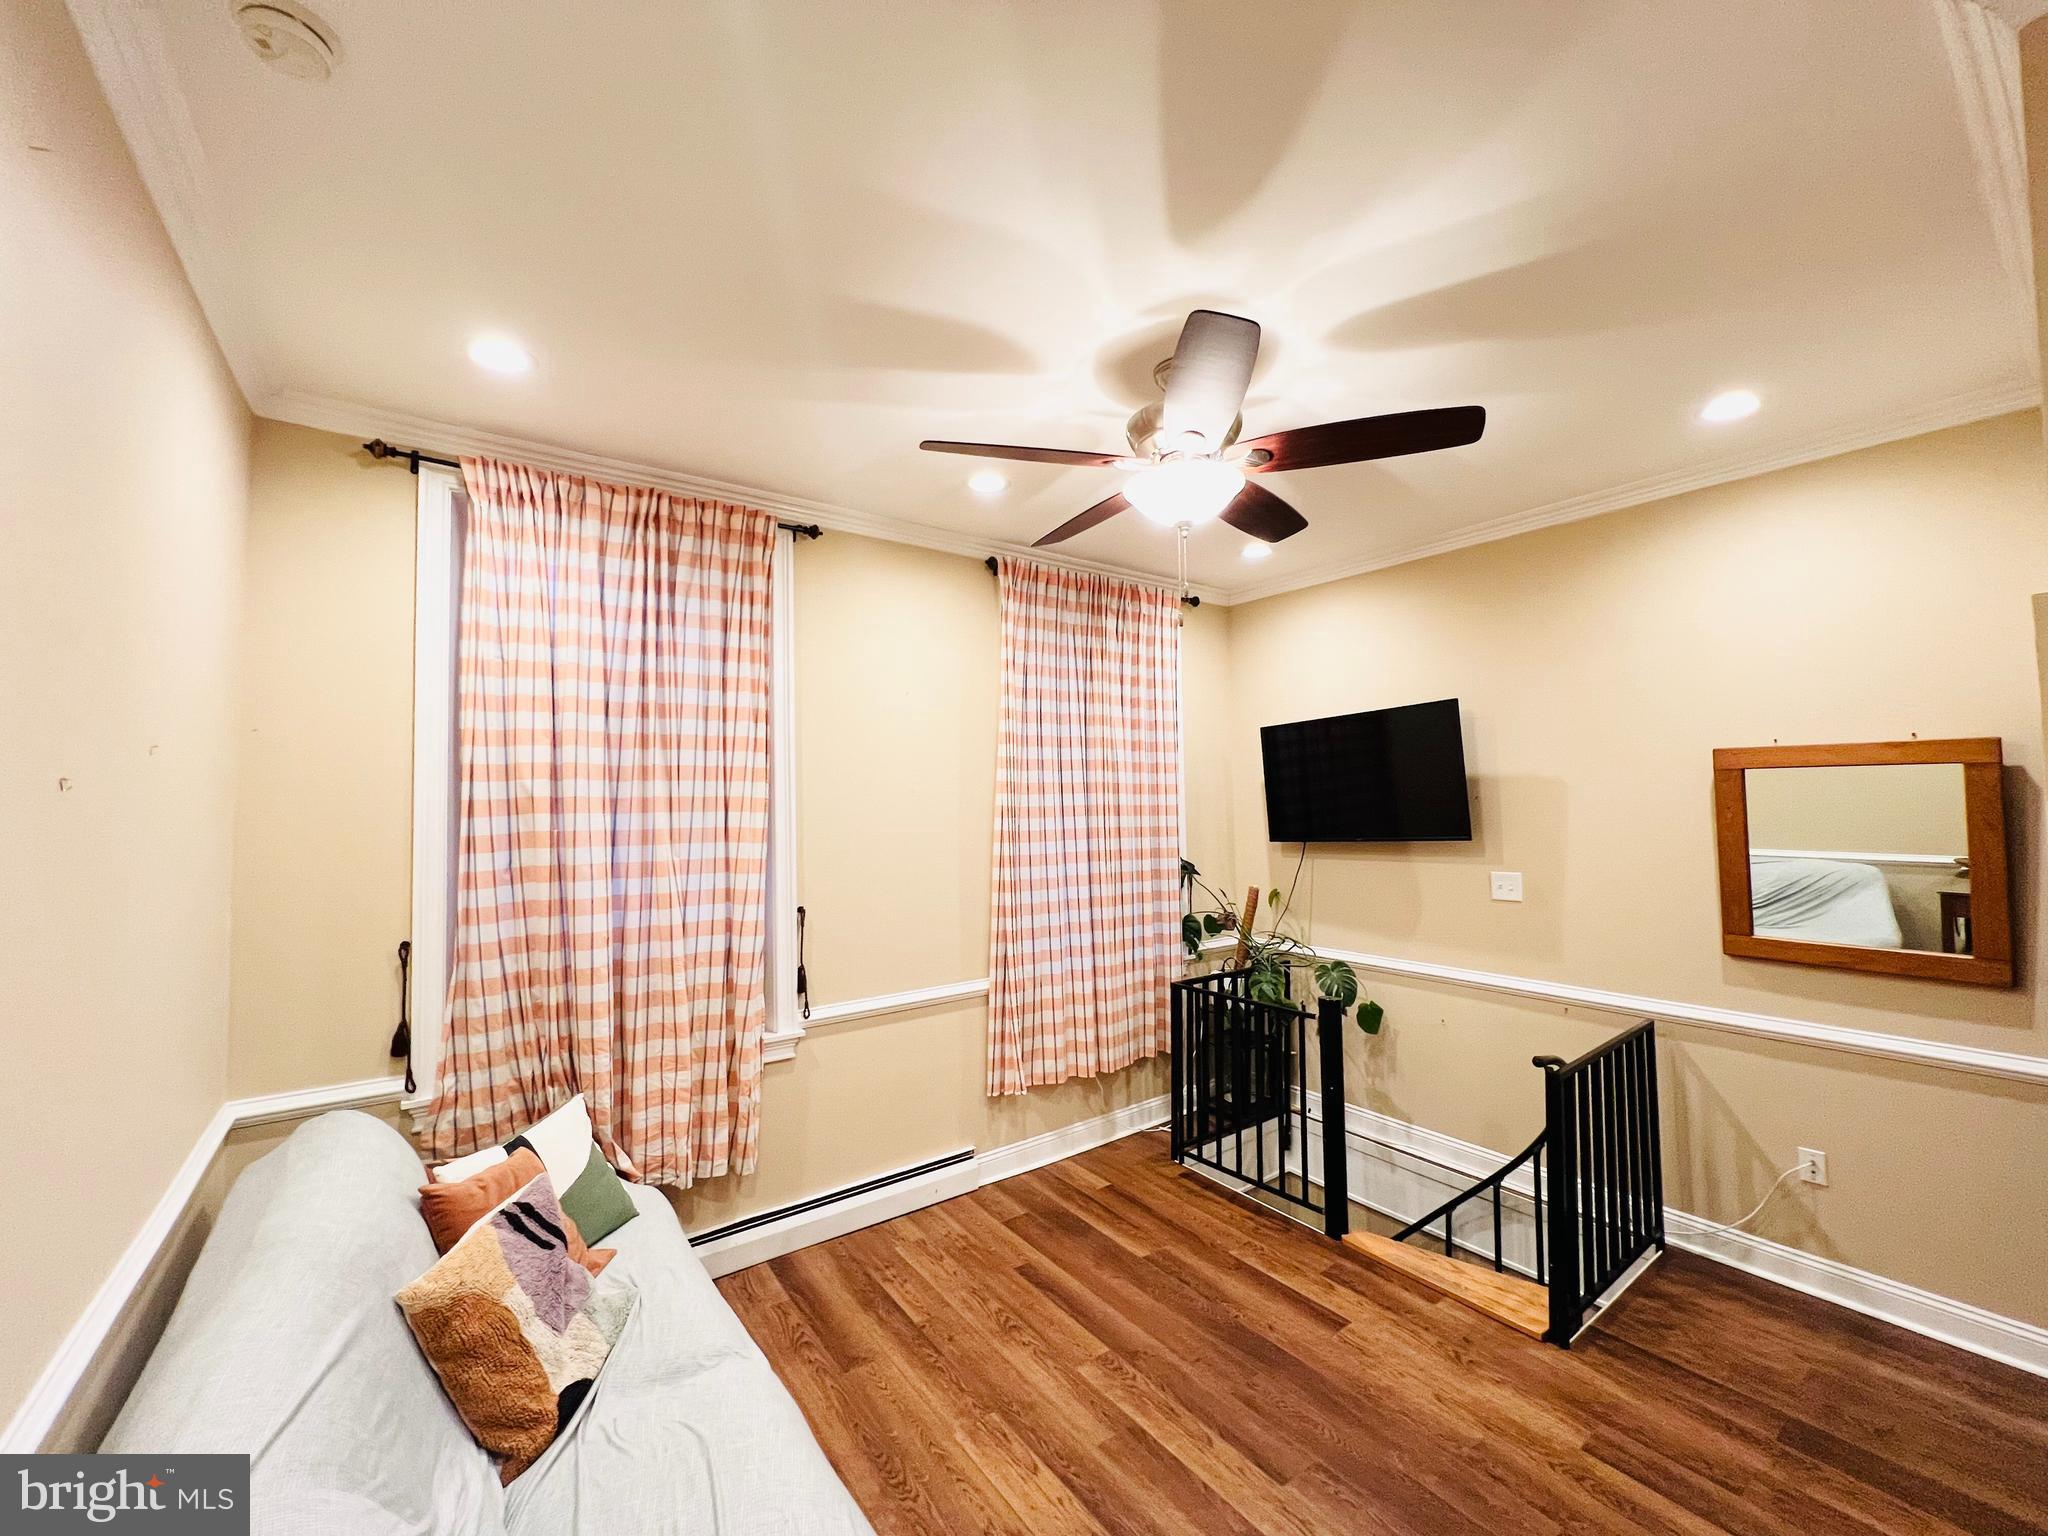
x=1240 y=1091
x=1600 y=1153
x=1489 y=1187
x=1606 y=1170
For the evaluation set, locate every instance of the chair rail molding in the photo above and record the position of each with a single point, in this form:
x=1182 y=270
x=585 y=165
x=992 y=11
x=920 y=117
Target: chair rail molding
x=356 y=419
x=38 y=1412
x=897 y=1002
x=2014 y=1066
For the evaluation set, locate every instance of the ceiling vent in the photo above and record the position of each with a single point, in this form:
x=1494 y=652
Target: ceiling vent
x=289 y=38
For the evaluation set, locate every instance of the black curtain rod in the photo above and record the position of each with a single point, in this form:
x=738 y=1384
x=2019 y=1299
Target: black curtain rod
x=377 y=448
x=1191 y=600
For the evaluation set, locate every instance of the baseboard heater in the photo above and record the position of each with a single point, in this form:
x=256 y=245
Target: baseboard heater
x=832 y=1197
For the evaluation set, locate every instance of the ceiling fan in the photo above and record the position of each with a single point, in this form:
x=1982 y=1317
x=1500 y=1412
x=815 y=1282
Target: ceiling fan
x=1187 y=465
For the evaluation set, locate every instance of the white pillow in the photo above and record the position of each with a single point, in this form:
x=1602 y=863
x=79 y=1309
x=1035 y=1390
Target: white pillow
x=561 y=1141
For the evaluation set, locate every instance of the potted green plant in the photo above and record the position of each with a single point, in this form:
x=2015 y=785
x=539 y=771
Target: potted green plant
x=1272 y=951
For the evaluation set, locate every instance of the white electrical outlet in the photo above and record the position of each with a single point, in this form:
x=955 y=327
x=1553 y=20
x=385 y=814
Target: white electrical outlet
x=1815 y=1166
x=1507 y=885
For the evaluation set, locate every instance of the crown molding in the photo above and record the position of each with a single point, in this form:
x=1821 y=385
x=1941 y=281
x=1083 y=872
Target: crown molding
x=356 y=419
x=2016 y=13
x=351 y=417
x=1984 y=58
x=1955 y=411
x=131 y=59
x=132 y=62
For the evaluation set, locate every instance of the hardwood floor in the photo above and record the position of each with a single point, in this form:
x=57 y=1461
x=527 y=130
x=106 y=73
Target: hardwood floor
x=1112 y=1344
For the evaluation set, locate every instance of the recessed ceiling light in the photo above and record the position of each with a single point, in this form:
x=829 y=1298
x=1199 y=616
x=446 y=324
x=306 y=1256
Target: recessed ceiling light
x=987 y=482
x=500 y=354
x=1257 y=551
x=1730 y=405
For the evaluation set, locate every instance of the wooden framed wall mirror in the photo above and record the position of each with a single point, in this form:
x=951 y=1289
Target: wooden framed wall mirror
x=1885 y=856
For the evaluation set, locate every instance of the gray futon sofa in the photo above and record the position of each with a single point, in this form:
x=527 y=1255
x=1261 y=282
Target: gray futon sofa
x=286 y=1344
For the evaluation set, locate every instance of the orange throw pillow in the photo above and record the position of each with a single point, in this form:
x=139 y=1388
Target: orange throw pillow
x=452 y=1209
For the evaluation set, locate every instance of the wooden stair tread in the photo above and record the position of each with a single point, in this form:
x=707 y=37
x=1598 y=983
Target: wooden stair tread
x=1521 y=1304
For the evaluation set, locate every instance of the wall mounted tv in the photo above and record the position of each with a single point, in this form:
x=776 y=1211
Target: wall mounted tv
x=1384 y=776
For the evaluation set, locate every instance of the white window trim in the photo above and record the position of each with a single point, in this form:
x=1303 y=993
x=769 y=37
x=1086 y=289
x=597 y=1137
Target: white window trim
x=785 y=1028
x=437 y=573
x=436 y=590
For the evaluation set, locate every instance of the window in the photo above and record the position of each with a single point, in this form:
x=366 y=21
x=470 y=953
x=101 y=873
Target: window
x=436 y=786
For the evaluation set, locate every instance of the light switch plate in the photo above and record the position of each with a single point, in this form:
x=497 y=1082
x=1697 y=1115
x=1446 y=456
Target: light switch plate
x=1507 y=885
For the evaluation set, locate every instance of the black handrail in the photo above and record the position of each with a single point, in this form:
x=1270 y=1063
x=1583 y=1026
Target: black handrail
x=1492 y=1182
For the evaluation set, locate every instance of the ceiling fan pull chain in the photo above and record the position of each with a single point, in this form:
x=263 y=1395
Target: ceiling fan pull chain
x=1183 y=566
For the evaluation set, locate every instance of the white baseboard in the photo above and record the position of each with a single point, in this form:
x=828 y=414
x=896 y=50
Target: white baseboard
x=1055 y=1146
x=833 y=1215
x=1402 y=1171
x=38 y=1412
x=837 y=1215
x=1396 y=1168
x=1387 y=1175
x=1960 y=1323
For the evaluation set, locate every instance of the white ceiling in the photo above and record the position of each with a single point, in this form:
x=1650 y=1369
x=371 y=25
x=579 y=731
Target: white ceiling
x=774 y=243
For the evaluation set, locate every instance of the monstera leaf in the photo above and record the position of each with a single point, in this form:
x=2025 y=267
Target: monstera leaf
x=1191 y=935
x=1269 y=981
x=1337 y=981
x=1369 y=1016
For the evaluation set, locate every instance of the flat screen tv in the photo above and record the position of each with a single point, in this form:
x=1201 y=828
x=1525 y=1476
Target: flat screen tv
x=1383 y=776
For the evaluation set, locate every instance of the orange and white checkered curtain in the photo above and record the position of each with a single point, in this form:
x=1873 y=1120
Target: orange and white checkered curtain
x=611 y=906
x=1085 y=929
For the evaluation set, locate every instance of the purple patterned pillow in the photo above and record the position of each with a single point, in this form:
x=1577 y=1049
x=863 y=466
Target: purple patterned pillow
x=515 y=1328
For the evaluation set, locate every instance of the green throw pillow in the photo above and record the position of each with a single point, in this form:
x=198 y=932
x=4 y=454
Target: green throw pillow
x=597 y=1202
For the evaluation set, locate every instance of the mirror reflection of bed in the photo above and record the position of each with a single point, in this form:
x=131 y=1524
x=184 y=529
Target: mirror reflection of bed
x=1873 y=855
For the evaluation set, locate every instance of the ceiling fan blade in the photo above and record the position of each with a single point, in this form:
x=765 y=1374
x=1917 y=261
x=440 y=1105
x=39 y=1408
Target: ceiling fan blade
x=1033 y=455
x=1212 y=368
x=1368 y=437
x=1101 y=512
x=1258 y=512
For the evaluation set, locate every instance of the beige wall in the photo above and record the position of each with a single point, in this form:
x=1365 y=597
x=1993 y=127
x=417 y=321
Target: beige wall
x=1874 y=596
x=896 y=705
x=897 y=682
x=1600 y=664
x=124 y=444
x=323 y=818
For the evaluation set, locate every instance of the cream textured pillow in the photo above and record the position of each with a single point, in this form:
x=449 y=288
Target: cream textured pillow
x=515 y=1328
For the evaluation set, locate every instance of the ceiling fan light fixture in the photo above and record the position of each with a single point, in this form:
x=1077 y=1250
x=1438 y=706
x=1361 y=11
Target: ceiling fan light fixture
x=1184 y=490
